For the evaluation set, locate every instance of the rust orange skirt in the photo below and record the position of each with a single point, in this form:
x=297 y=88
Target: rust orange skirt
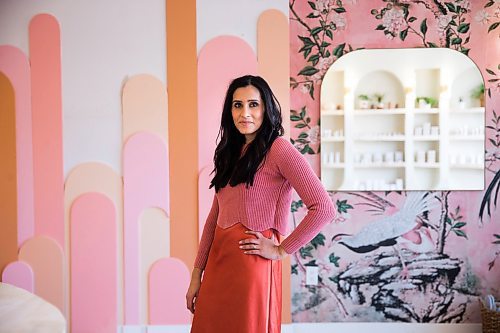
x=239 y=293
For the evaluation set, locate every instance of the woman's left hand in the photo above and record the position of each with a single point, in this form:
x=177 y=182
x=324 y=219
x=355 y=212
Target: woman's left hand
x=262 y=246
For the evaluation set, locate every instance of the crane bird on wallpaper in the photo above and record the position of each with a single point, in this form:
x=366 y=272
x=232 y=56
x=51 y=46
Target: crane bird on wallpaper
x=402 y=227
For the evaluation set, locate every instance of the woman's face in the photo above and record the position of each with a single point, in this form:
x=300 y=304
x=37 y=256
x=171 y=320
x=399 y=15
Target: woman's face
x=247 y=111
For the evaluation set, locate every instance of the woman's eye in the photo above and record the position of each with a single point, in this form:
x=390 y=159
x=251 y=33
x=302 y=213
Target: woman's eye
x=254 y=104
x=237 y=105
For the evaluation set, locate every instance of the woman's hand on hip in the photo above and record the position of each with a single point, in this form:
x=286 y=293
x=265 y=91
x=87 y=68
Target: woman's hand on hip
x=262 y=246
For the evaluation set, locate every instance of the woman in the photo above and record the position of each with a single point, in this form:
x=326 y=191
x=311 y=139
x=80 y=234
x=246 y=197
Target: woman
x=240 y=252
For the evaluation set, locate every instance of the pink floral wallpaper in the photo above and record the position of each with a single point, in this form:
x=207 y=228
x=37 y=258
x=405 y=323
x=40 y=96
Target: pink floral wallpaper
x=374 y=266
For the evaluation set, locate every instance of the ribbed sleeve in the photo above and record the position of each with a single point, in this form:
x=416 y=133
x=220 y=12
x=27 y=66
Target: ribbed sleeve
x=208 y=236
x=295 y=168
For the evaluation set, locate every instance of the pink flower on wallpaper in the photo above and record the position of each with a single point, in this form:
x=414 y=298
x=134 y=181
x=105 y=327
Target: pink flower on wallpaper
x=322 y=66
x=482 y=17
x=464 y=4
x=394 y=21
x=314 y=134
x=340 y=21
x=304 y=88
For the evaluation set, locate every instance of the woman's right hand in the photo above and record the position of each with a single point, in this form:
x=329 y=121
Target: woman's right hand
x=193 y=289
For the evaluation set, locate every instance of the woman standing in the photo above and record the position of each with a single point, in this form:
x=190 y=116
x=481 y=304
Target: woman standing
x=240 y=253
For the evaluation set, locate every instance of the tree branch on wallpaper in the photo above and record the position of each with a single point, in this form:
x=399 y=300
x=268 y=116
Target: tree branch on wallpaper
x=425 y=287
x=324 y=18
x=452 y=21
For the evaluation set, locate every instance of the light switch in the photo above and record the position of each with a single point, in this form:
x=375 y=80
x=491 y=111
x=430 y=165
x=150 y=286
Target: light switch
x=312 y=275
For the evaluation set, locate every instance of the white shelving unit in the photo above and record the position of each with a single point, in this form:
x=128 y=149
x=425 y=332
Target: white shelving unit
x=382 y=149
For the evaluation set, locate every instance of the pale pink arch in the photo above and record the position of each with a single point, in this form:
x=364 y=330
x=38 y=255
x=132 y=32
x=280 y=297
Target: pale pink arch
x=273 y=56
x=15 y=65
x=220 y=60
x=205 y=197
x=94 y=272
x=96 y=177
x=19 y=274
x=145 y=181
x=154 y=238
x=145 y=108
x=45 y=60
x=168 y=282
x=45 y=257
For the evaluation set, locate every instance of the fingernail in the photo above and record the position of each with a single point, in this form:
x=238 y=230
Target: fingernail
x=241 y=247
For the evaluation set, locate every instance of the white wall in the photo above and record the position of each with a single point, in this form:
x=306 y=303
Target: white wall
x=102 y=43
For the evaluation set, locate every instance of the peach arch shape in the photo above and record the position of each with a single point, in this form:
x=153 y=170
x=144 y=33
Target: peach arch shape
x=15 y=65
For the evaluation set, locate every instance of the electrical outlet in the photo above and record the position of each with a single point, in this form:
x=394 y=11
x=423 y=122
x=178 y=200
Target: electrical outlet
x=312 y=275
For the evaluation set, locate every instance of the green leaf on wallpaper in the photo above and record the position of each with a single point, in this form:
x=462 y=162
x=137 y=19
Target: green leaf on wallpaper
x=300 y=125
x=329 y=33
x=316 y=30
x=312 y=4
x=430 y=44
x=294 y=118
x=306 y=251
x=303 y=135
x=343 y=206
x=314 y=59
x=411 y=19
x=452 y=22
x=459 y=225
x=493 y=26
x=490 y=71
x=451 y=7
x=339 y=50
x=403 y=34
x=489 y=4
x=294 y=269
x=423 y=26
x=311 y=263
x=493 y=80
x=303 y=112
x=465 y=51
x=456 y=40
x=327 y=54
x=318 y=240
x=334 y=279
x=308 y=71
x=496 y=242
x=380 y=27
x=459 y=233
x=311 y=15
x=496 y=236
x=306 y=40
x=374 y=11
x=339 y=10
x=448 y=220
x=334 y=259
x=463 y=28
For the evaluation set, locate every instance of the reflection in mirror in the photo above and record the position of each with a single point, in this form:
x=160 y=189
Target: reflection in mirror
x=402 y=119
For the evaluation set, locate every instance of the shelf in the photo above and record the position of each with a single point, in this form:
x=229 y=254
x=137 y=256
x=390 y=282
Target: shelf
x=380 y=165
x=333 y=165
x=426 y=111
x=467 y=166
x=332 y=139
x=381 y=138
x=425 y=138
x=467 y=137
x=376 y=112
x=426 y=165
x=477 y=110
x=333 y=113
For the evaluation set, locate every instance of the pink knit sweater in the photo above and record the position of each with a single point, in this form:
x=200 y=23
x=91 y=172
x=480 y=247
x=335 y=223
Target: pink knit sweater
x=266 y=204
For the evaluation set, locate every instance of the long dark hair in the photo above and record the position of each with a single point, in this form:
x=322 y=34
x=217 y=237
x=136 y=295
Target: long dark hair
x=229 y=167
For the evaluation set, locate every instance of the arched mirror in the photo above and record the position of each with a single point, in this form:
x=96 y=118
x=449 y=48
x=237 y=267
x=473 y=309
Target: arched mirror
x=402 y=119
